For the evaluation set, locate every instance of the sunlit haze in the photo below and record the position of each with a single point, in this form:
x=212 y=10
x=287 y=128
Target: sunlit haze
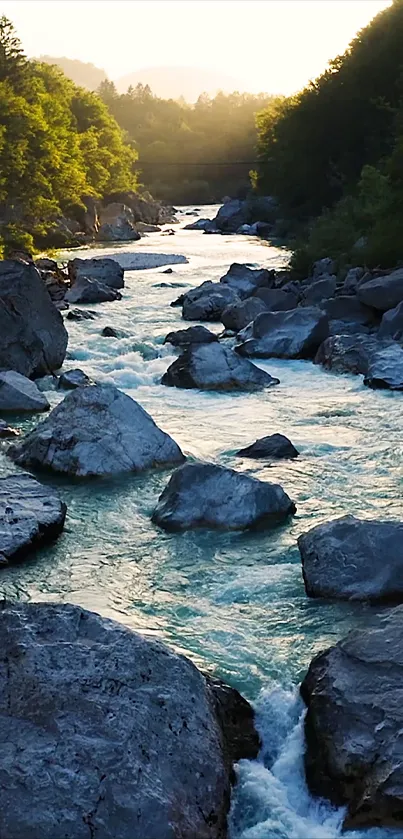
x=272 y=45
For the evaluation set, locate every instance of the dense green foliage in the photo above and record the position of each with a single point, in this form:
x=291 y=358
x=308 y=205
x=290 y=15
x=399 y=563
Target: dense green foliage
x=333 y=154
x=189 y=153
x=82 y=73
x=58 y=144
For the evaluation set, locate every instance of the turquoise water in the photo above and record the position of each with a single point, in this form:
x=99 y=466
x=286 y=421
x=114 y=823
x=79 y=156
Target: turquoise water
x=234 y=603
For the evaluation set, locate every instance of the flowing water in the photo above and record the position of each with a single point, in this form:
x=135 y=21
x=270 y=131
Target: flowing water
x=234 y=603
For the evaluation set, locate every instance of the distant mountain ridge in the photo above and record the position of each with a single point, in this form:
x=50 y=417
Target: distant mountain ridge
x=81 y=73
x=174 y=82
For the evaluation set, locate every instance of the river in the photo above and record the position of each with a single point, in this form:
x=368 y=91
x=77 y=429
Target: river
x=234 y=603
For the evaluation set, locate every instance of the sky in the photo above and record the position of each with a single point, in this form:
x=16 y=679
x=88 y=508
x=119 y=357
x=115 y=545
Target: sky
x=268 y=45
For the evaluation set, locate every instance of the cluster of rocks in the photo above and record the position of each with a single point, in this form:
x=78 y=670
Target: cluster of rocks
x=353 y=325
x=255 y=216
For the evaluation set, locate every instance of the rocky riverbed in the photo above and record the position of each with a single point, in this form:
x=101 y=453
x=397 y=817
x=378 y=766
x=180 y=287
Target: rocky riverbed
x=233 y=601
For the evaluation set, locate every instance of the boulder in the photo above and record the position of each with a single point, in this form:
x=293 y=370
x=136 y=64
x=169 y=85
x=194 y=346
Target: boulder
x=276 y=299
x=142 y=227
x=382 y=293
x=206 y=495
x=347 y=308
x=320 y=290
x=106 y=271
x=116 y=224
x=81 y=314
x=348 y=327
x=294 y=334
x=85 y=290
x=30 y=515
x=117 y=736
x=245 y=281
x=96 y=430
x=353 y=725
x=33 y=338
x=208 y=302
x=273 y=446
x=353 y=559
x=72 y=379
x=192 y=335
x=323 y=266
x=6 y=431
x=19 y=395
x=385 y=369
x=200 y=224
x=111 y=332
x=232 y=215
x=237 y=316
x=347 y=353
x=352 y=280
x=392 y=324
x=46 y=264
x=214 y=367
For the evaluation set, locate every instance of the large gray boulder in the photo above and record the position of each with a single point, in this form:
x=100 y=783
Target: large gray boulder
x=214 y=367
x=85 y=290
x=30 y=515
x=245 y=281
x=347 y=353
x=232 y=215
x=200 y=224
x=392 y=324
x=294 y=334
x=237 y=316
x=192 y=335
x=96 y=430
x=321 y=289
x=354 y=723
x=323 y=266
x=208 y=302
x=383 y=293
x=276 y=299
x=19 y=395
x=385 y=369
x=350 y=558
x=348 y=308
x=33 y=338
x=206 y=495
x=275 y=446
x=117 y=737
x=106 y=271
x=120 y=230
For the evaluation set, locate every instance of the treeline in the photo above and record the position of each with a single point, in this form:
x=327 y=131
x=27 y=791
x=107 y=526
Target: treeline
x=189 y=153
x=58 y=145
x=333 y=154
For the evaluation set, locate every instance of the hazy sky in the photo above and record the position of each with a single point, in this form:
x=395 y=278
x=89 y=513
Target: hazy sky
x=272 y=45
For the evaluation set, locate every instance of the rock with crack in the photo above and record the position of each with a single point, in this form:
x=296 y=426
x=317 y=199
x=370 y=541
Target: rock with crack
x=85 y=290
x=214 y=367
x=210 y=496
x=274 y=446
x=33 y=338
x=192 y=335
x=30 y=515
x=294 y=334
x=96 y=430
x=350 y=558
x=132 y=741
x=106 y=271
x=354 y=746
x=19 y=395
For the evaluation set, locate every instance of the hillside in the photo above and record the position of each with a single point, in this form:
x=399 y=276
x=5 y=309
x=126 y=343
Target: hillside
x=176 y=82
x=81 y=73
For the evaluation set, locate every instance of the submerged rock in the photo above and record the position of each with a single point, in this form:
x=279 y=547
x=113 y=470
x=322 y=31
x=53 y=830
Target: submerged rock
x=350 y=558
x=132 y=740
x=237 y=316
x=200 y=224
x=385 y=370
x=214 y=367
x=33 y=338
x=245 y=281
x=294 y=334
x=106 y=271
x=354 y=747
x=72 y=379
x=30 y=515
x=19 y=395
x=96 y=430
x=383 y=293
x=81 y=314
x=192 y=335
x=85 y=290
x=206 y=495
x=275 y=445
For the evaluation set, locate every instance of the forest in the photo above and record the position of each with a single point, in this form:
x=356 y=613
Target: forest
x=333 y=153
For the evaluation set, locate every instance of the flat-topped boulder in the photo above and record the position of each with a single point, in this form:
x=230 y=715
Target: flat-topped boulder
x=86 y=290
x=245 y=281
x=214 y=367
x=208 y=302
x=350 y=558
x=33 y=338
x=382 y=293
x=206 y=495
x=273 y=446
x=19 y=394
x=354 y=746
x=192 y=335
x=130 y=739
x=347 y=353
x=237 y=316
x=31 y=515
x=294 y=334
x=96 y=430
x=106 y=271
x=385 y=369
